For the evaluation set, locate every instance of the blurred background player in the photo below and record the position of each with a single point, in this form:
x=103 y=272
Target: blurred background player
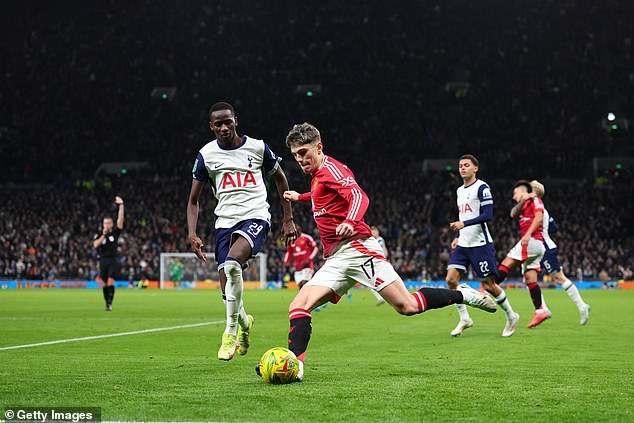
x=235 y=167
x=352 y=254
x=473 y=245
x=106 y=244
x=302 y=250
x=377 y=235
x=550 y=264
x=529 y=251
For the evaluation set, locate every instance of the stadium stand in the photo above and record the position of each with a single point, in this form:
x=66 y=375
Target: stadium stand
x=431 y=87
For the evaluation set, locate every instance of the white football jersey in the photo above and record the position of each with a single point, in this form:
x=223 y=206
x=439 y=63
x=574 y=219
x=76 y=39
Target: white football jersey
x=548 y=241
x=237 y=177
x=470 y=199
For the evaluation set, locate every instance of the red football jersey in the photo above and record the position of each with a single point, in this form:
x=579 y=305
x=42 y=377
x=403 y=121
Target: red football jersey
x=336 y=198
x=530 y=208
x=304 y=250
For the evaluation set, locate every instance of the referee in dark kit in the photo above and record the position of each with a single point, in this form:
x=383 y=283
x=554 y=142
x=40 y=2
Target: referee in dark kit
x=106 y=244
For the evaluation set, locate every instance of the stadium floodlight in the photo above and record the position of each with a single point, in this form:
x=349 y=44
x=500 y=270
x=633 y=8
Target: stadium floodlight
x=614 y=124
x=308 y=90
x=163 y=94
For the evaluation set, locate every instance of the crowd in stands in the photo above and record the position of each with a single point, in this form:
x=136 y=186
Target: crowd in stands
x=75 y=87
x=47 y=234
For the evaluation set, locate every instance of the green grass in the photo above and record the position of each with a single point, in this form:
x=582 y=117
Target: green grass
x=364 y=363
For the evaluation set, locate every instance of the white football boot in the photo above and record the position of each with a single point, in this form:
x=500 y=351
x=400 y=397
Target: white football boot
x=462 y=325
x=477 y=299
x=511 y=324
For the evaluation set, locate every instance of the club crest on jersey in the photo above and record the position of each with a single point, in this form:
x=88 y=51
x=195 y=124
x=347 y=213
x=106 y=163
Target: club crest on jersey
x=315 y=183
x=238 y=180
x=250 y=159
x=464 y=208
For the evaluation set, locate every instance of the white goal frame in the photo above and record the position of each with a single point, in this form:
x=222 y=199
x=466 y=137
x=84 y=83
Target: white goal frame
x=211 y=260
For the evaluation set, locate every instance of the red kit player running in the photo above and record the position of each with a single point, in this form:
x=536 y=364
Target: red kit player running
x=529 y=251
x=302 y=251
x=352 y=253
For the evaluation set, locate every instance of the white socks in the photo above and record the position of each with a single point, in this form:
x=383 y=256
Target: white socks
x=503 y=302
x=463 y=312
x=233 y=296
x=573 y=293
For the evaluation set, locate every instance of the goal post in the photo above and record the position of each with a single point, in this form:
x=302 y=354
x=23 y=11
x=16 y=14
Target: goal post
x=186 y=270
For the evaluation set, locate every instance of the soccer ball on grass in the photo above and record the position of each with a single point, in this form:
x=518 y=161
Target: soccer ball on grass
x=278 y=366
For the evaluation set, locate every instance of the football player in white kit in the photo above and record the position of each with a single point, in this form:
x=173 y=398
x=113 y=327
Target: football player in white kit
x=474 y=245
x=551 y=266
x=235 y=167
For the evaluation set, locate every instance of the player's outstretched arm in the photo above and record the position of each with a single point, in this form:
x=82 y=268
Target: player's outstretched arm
x=291 y=195
x=192 y=219
x=120 y=214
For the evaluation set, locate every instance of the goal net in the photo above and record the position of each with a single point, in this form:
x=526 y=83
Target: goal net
x=185 y=270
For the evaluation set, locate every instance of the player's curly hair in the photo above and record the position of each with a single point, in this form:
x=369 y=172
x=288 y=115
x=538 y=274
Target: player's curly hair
x=303 y=133
x=221 y=105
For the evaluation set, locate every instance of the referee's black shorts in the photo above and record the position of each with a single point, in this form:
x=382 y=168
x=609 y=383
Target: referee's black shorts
x=108 y=268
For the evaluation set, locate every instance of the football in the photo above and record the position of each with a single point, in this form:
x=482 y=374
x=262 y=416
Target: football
x=279 y=366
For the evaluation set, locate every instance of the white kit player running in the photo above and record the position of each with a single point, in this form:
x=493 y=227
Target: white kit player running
x=235 y=166
x=473 y=245
x=550 y=264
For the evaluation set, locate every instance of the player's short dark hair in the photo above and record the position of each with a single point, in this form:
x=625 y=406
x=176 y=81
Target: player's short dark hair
x=523 y=183
x=303 y=133
x=470 y=157
x=107 y=217
x=221 y=105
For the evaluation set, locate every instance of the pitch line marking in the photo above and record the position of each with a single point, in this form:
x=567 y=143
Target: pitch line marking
x=112 y=335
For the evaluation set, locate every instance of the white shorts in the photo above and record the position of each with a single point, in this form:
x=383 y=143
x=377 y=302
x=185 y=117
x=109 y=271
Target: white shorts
x=530 y=255
x=360 y=260
x=303 y=275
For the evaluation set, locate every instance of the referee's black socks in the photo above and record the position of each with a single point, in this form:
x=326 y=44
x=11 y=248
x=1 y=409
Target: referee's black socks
x=108 y=294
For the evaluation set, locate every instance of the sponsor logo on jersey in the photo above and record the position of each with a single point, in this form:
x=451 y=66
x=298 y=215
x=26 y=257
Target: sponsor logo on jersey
x=238 y=180
x=464 y=208
x=195 y=166
x=319 y=212
x=347 y=181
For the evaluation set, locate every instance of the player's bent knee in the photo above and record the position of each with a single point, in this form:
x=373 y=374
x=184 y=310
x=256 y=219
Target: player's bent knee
x=406 y=308
x=233 y=269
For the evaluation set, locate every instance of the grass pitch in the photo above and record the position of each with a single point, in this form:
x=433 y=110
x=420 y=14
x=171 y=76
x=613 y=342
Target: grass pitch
x=364 y=363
